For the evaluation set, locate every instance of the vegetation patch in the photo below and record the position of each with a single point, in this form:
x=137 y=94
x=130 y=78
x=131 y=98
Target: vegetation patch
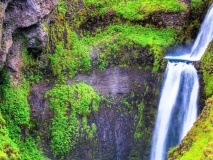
x=121 y=44
x=8 y=149
x=30 y=67
x=207 y=70
x=195 y=3
x=62 y=8
x=124 y=45
x=67 y=62
x=69 y=56
x=71 y=105
x=15 y=121
x=134 y=10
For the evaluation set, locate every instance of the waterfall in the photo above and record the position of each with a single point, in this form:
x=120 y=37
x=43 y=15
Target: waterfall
x=177 y=109
x=204 y=37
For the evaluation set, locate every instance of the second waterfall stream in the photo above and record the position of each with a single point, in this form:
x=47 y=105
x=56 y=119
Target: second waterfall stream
x=177 y=109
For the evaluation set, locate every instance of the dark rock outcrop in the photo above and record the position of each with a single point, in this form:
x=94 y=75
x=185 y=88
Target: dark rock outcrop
x=24 y=16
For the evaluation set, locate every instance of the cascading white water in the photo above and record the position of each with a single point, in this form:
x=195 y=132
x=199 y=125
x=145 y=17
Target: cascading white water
x=204 y=37
x=189 y=99
x=177 y=110
x=181 y=83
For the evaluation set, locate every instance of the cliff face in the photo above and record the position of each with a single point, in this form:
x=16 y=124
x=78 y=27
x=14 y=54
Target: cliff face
x=81 y=79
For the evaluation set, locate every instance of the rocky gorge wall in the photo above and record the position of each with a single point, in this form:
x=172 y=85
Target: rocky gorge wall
x=81 y=79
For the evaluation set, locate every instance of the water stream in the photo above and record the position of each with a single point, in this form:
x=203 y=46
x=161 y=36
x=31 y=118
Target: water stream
x=204 y=37
x=177 y=109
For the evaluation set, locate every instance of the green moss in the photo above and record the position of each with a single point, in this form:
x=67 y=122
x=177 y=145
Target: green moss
x=67 y=102
x=8 y=149
x=15 y=110
x=62 y=7
x=144 y=36
x=29 y=150
x=66 y=62
x=207 y=68
x=198 y=142
x=30 y=67
x=140 y=123
x=70 y=55
x=122 y=45
x=195 y=3
x=134 y=10
x=208 y=83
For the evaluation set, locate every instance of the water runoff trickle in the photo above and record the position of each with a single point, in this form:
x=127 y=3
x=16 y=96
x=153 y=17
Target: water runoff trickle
x=177 y=109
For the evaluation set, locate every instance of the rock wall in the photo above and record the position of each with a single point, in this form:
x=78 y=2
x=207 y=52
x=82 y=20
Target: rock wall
x=22 y=20
x=53 y=52
x=125 y=117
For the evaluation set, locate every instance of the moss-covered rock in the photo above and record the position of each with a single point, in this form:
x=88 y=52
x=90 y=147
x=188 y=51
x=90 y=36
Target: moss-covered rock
x=207 y=70
x=8 y=149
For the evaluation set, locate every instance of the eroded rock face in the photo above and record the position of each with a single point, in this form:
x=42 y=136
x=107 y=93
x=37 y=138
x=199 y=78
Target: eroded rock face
x=24 y=13
x=23 y=17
